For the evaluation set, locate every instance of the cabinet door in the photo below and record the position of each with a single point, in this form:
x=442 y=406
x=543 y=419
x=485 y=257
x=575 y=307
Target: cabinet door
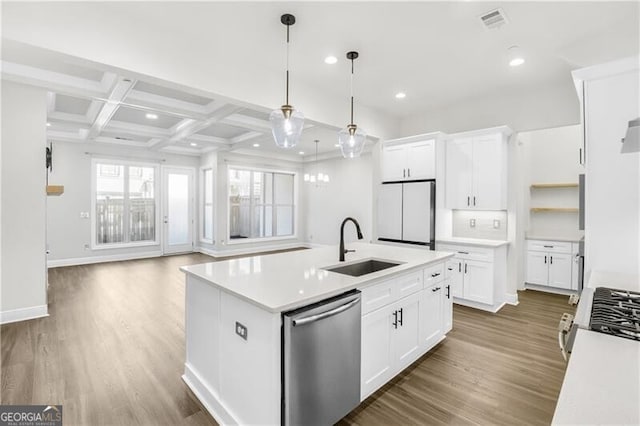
x=376 y=357
x=447 y=307
x=406 y=337
x=478 y=281
x=458 y=173
x=421 y=160
x=394 y=160
x=489 y=177
x=390 y=211
x=432 y=315
x=537 y=270
x=457 y=278
x=416 y=211
x=560 y=270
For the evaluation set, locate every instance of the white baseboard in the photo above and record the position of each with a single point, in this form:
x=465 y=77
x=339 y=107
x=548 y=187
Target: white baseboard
x=252 y=250
x=512 y=299
x=23 y=314
x=207 y=397
x=481 y=306
x=101 y=259
x=546 y=289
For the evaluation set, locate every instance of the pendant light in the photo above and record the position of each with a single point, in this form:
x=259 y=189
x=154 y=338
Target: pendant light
x=352 y=138
x=318 y=177
x=286 y=122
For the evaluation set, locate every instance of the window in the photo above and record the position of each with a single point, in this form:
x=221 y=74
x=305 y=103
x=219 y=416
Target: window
x=207 y=205
x=124 y=203
x=261 y=204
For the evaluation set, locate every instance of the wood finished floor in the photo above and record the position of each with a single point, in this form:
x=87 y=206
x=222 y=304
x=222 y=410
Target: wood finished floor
x=112 y=352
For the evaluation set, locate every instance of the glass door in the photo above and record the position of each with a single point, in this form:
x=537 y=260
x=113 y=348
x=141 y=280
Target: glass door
x=178 y=208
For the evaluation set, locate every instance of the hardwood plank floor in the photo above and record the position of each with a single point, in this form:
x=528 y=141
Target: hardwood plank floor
x=112 y=352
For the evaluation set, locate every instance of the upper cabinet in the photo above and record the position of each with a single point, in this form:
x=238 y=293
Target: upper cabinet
x=476 y=170
x=402 y=160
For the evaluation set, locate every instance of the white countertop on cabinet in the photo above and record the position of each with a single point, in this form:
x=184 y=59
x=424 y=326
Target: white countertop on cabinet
x=602 y=382
x=285 y=281
x=472 y=242
x=570 y=238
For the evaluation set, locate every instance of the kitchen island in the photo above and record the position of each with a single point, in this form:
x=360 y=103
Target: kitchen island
x=234 y=316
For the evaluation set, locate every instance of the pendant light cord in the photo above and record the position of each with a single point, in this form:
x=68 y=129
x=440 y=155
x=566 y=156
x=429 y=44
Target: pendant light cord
x=352 y=91
x=287 y=85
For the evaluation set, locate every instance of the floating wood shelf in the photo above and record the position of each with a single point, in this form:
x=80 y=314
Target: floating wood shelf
x=554 y=209
x=55 y=189
x=553 y=185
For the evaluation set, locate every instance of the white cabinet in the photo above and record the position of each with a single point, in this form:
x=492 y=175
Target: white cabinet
x=551 y=263
x=477 y=275
x=409 y=161
x=402 y=319
x=476 y=172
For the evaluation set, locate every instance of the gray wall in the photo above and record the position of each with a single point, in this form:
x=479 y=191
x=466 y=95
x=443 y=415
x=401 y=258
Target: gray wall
x=24 y=114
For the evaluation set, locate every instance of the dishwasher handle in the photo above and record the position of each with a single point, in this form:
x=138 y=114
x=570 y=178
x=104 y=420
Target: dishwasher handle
x=323 y=315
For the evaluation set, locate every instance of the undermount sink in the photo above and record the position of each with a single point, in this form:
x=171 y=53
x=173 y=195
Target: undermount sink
x=363 y=267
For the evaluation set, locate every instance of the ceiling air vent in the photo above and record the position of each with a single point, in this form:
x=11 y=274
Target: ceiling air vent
x=494 y=19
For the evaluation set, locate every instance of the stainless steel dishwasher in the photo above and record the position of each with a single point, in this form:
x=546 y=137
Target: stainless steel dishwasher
x=321 y=361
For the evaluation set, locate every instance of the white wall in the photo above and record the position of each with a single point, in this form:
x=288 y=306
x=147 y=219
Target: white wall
x=612 y=210
x=24 y=114
x=68 y=235
x=552 y=157
x=548 y=106
x=349 y=193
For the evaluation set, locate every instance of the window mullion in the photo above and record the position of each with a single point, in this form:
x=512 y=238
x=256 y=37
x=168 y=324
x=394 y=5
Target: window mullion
x=126 y=207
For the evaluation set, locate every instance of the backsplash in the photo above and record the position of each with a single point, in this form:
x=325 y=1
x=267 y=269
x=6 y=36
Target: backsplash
x=490 y=225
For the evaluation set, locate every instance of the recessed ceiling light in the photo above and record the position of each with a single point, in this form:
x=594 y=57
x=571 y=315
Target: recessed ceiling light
x=151 y=116
x=48 y=124
x=193 y=144
x=515 y=56
x=256 y=145
x=330 y=60
x=401 y=95
x=337 y=145
x=301 y=152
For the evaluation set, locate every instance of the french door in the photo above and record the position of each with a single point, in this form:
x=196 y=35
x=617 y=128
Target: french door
x=177 y=209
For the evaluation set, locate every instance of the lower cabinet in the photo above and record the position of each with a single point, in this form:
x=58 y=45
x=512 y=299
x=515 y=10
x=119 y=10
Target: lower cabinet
x=398 y=333
x=551 y=264
x=472 y=280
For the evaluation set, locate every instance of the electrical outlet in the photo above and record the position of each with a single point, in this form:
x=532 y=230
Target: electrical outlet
x=241 y=330
x=496 y=224
x=84 y=215
x=472 y=223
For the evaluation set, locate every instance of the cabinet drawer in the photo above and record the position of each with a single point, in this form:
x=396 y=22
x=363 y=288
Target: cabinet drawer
x=408 y=284
x=549 y=246
x=433 y=274
x=376 y=296
x=448 y=269
x=469 y=252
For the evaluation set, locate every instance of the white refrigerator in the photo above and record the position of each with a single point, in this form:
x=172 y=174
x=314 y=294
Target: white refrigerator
x=406 y=212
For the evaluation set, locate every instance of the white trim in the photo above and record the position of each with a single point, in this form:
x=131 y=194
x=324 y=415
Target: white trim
x=512 y=299
x=201 y=204
x=238 y=241
x=165 y=171
x=547 y=289
x=101 y=259
x=23 y=314
x=116 y=246
x=252 y=250
x=477 y=305
x=207 y=397
x=417 y=138
x=504 y=130
x=607 y=69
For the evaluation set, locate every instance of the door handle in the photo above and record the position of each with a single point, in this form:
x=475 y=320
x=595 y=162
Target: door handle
x=551 y=260
x=545 y=259
x=448 y=291
x=404 y=173
x=395 y=319
x=318 y=317
x=408 y=172
x=401 y=315
x=465 y=268
x=468 y=201
x=474 y=200
x=459 y=267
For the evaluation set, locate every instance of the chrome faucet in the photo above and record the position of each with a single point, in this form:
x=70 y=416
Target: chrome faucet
x=342 y=250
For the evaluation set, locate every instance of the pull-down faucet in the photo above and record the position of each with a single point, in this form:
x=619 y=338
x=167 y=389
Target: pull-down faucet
x=342 y=250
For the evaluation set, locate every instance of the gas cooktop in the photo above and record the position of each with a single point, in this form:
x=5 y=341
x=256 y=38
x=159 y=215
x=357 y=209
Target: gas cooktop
x=616 y=312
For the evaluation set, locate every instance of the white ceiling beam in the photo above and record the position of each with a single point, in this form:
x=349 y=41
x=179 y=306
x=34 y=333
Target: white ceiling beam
x=68 y=117
x=166 y=105
x=215 y=140
x=118 y=93
x=54 y=81
x=246 y=137
x=136 y=129
x=93 y=110
x=51 y=102
x=250 y=123
x=189 y=130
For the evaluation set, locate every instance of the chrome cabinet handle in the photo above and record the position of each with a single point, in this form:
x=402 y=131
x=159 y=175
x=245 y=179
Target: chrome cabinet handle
x=314 y=318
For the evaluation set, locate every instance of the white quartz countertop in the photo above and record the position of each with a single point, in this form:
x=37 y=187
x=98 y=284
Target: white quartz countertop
x=570 y=238
x=285 y=281
x=472 y=242
x=602 y=382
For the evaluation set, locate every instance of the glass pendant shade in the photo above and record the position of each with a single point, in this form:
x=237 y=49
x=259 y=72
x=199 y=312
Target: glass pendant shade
x=286 y=126
x=351 y=140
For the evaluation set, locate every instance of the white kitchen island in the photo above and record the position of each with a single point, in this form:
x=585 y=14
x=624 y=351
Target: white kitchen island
x=236 y=373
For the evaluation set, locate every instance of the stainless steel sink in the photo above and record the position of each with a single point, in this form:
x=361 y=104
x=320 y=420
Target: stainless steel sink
x=363 y=267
